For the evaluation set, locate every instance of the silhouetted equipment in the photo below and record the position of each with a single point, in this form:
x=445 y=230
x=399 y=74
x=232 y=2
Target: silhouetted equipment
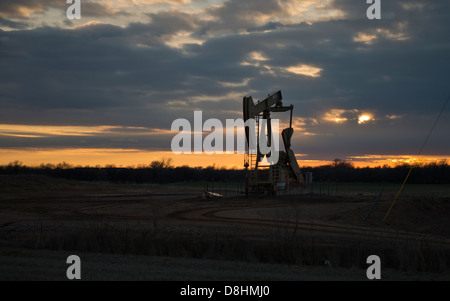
x=283 y=176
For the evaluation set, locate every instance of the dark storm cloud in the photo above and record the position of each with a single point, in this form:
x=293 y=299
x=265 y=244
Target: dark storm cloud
x=111 y=75
x=171 y=21
x=267 y=27
x=234 y=15
x=12 y=24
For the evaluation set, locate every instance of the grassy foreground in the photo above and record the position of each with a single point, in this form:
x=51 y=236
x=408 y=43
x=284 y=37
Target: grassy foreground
x=44 y=265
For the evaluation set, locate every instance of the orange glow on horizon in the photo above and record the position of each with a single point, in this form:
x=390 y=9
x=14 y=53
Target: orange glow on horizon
x=135 y=157
x=116 y=157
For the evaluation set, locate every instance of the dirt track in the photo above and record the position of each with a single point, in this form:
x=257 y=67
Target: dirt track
x=176 y=221
x=259 y=215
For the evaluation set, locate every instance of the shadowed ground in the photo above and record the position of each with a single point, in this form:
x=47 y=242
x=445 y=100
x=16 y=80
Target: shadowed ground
x=169 y=232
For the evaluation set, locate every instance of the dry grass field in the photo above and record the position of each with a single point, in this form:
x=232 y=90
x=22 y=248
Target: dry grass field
x=170 y=232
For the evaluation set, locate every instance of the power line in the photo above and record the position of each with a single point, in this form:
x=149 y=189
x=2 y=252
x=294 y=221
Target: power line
x=420 y=153
x=434 y=125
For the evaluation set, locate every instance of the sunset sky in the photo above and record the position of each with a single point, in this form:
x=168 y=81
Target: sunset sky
x=105 y=89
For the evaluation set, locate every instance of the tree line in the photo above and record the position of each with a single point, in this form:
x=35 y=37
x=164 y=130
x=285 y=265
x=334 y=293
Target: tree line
x=344 y=171
x=162 y=172
x=159 y=171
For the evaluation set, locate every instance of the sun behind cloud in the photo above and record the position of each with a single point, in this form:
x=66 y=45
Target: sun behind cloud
x=364 y=118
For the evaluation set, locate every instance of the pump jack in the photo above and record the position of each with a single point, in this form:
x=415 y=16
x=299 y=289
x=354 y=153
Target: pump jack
x=283 y=176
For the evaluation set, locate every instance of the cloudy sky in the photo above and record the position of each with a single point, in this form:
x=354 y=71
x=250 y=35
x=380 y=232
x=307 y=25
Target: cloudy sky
x=107 y=87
